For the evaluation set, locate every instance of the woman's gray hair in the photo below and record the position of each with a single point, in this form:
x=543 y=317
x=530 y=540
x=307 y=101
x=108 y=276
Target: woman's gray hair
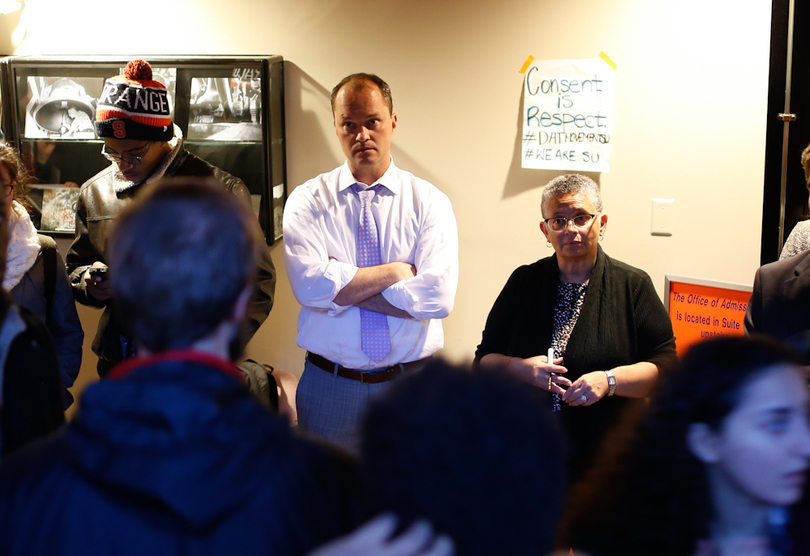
x=572 y=184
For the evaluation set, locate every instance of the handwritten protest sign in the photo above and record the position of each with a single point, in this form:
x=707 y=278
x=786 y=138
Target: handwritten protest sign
x=701 y=309
x=567 y=115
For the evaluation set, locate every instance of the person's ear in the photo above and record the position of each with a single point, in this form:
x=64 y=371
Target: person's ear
x=241 y=305
x=603 y=220
x=544 y=229
x=703 y=442
x=393 y=122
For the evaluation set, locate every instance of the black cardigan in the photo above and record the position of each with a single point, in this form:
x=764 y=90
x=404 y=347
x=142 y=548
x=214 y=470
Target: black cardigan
x=32 y=399
x=622 y=322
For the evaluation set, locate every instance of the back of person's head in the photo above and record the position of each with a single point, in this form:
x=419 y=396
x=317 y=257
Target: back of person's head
x=649 y=492
x=180 y=257
x=476 y=454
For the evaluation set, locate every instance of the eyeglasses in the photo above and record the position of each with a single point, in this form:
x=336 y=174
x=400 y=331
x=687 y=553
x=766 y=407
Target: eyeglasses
x=7 y=188
x=559 y=223
x=119 y=158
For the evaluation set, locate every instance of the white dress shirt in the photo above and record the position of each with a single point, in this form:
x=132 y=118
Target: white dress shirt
x=416 y=225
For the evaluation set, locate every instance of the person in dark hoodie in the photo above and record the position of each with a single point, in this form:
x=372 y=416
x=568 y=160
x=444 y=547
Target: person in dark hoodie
x=173 y=454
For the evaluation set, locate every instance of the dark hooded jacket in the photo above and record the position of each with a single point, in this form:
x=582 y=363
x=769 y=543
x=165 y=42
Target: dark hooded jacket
x=174 y=456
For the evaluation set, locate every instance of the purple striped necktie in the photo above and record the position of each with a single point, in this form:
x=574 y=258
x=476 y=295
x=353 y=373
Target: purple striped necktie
x=375 y=339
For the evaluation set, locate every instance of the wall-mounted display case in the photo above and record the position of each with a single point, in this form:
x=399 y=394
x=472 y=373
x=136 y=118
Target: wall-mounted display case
x=230 y=110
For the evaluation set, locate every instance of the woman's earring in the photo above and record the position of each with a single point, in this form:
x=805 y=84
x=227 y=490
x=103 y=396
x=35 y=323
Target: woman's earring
x=548 y=244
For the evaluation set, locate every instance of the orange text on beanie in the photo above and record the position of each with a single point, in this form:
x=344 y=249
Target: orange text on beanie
x=134 y=106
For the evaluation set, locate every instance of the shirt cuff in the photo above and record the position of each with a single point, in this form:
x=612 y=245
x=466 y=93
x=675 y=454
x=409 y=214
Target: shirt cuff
x=340 y=274
x=401 y=297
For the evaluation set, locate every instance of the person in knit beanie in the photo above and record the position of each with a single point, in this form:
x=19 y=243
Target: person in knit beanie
x=134 y=106
x=134 y=118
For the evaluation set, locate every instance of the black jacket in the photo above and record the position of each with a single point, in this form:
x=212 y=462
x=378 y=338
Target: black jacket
x=101 y=199
x=780 y=299
x=31 y=403
x=45 y=291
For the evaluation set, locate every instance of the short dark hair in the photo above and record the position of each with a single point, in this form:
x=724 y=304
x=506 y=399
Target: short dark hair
x=179 y=257
x=476 y=454
x=361 y=80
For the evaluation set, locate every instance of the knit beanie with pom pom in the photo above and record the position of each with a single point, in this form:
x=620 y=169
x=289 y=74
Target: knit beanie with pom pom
x=134 y=106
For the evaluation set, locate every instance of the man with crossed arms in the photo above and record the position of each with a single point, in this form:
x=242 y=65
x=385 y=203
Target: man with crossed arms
x=372 y=256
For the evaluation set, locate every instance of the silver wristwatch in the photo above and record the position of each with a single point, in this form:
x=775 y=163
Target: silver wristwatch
x=611 y=383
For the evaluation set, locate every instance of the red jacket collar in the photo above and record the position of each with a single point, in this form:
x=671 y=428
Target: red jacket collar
x=182 y=356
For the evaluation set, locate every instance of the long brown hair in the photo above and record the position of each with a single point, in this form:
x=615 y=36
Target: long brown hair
x=11 y=159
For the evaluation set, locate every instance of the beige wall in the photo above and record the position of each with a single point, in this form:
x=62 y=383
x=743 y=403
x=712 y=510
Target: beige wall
x=690 y=109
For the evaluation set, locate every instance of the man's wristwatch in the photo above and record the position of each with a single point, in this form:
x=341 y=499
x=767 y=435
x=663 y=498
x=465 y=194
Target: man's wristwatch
x=611 y=383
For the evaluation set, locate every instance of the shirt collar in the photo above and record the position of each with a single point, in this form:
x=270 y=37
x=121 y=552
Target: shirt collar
x=388 y=180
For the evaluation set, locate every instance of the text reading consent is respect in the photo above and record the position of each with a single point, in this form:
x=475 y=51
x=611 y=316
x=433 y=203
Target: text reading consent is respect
x=565 y=89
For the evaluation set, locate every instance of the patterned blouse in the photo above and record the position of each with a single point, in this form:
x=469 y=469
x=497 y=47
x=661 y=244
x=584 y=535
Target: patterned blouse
x=797 y=241
x=570 y=298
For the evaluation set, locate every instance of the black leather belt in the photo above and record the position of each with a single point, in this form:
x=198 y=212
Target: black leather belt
x=366 y=377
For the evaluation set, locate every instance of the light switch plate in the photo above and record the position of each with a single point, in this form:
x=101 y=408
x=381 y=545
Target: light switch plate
x=663 y=217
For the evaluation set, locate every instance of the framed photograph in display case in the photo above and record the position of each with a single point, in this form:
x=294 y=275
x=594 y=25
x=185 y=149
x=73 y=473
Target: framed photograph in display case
x=230 y=110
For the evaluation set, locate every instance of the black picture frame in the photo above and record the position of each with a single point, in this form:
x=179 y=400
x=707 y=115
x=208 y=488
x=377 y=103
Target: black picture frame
x=229 y=108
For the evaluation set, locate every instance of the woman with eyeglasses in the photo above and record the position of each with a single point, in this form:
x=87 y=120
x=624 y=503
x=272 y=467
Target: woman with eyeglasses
x=35 y=273
x=588 y=329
